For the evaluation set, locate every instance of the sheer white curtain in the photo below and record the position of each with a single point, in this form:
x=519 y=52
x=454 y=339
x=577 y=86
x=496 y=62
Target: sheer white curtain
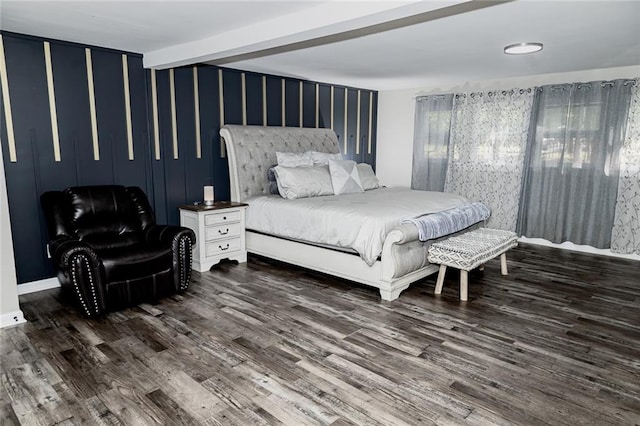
x=487 y=148
x=625 y=237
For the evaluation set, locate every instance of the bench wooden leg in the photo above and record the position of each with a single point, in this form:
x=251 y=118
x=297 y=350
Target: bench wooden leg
x=440 y=280
x=503 y=264
x=464 y=284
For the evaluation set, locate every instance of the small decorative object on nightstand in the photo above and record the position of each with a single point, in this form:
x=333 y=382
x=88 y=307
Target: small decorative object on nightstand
x=219 y=230
x=208 y=195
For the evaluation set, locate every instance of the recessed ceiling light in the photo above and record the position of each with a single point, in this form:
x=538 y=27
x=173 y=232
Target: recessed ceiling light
x=522 y=48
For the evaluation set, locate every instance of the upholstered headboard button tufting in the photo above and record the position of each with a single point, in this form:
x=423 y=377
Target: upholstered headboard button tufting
x=251 y=151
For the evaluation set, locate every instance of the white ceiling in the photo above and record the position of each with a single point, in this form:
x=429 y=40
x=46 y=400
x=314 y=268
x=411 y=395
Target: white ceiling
x=371 y=44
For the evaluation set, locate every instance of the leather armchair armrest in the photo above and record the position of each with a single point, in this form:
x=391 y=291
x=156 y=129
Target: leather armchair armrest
x=182 y=241
x=62 y=248
x=168 y=234
x=80 y=263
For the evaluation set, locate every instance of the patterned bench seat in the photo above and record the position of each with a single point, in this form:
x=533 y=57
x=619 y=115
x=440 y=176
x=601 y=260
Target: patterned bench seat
x=470 y=250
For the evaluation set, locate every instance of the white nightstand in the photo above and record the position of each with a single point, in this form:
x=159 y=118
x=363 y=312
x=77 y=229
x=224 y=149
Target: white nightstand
x=219 y=232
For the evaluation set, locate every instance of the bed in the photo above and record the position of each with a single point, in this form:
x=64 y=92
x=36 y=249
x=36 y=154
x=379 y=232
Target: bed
x=399 y=261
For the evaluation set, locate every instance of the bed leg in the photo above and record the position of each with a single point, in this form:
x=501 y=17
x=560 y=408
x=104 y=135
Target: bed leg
x=440 y=280
x=392 y=293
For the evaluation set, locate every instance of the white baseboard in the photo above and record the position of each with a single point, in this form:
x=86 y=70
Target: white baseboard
x=11 y=319
x=33 y=286
x=575 y=247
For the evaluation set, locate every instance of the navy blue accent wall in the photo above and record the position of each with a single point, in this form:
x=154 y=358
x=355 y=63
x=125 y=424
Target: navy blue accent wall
x=232 y=95
x=308 y=104
x=254 y=99
x=274 y=101
x=172 y=175
x=292 y=103
x=324 y=106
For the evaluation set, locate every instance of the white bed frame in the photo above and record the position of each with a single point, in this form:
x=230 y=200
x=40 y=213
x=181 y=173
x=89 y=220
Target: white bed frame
x=403 y=259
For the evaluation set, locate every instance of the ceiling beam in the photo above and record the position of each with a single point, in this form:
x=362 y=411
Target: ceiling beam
x=327 y=23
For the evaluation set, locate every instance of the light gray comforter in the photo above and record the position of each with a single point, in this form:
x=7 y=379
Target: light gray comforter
x=357 y=221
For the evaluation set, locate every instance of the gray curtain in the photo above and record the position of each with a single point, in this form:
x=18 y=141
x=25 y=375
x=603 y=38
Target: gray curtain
x=431 y=142
x=573 y=163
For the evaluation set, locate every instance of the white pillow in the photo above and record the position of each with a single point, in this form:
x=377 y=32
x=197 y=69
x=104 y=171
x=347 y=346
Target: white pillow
x=294 y=159
x=344 y=177
x=368 y=179
x=323 y=157
x=303 y=182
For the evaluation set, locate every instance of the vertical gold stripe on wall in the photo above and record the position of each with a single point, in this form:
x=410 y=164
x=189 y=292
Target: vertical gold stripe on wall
x=52 y=101
x=92 y=104
x=370 y=122
x=4 y=82
x=196 y=110
x=346 y=127
x=174 y=124
x=154 y=106
x=223 y=152
x=243 y=79
x=127 y=105
x=332 y=93
x=300 y=101
x=358 y=126
x=264 y=100
x=283 y=106
x=317 y=105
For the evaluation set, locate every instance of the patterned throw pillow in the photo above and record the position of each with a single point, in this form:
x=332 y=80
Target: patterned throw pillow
x=344 y=177
x=368 y=179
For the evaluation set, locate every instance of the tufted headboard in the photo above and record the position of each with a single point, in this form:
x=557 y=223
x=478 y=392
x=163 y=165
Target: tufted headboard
x=251 y=151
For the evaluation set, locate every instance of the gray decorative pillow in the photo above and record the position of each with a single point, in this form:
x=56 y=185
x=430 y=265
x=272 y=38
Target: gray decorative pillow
x=368 y=179
x=344 y=177
x=273 y=184
x=303 y=182
x=320 y=158
x=294 y=159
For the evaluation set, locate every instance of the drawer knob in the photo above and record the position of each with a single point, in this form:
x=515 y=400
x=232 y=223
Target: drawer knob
x=223 y=233
x=224 y=248
x=224 y=218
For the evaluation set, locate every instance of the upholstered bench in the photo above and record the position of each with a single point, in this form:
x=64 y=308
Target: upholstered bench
x=470 y=250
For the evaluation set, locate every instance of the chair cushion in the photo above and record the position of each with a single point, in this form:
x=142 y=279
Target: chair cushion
x=112 y=240
x=135 y=261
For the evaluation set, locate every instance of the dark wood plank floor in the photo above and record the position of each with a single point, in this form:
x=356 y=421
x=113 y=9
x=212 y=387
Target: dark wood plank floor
x=556 y=342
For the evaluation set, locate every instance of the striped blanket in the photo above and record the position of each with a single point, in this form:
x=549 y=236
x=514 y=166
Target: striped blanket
x=436 y=225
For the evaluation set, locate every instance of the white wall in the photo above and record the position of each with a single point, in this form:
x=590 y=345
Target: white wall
x=396 y=114
x=10 y=313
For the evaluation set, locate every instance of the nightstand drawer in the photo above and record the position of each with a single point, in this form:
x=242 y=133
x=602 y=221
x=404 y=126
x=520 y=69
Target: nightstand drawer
x=225 y=217
x=222 y=231
x=223 y=246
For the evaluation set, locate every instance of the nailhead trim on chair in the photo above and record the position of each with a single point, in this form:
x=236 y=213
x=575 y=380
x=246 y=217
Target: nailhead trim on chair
x=74 y=280
x=185 y=269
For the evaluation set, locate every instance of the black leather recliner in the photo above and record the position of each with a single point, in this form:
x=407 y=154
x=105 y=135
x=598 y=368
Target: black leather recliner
x=108 y=250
